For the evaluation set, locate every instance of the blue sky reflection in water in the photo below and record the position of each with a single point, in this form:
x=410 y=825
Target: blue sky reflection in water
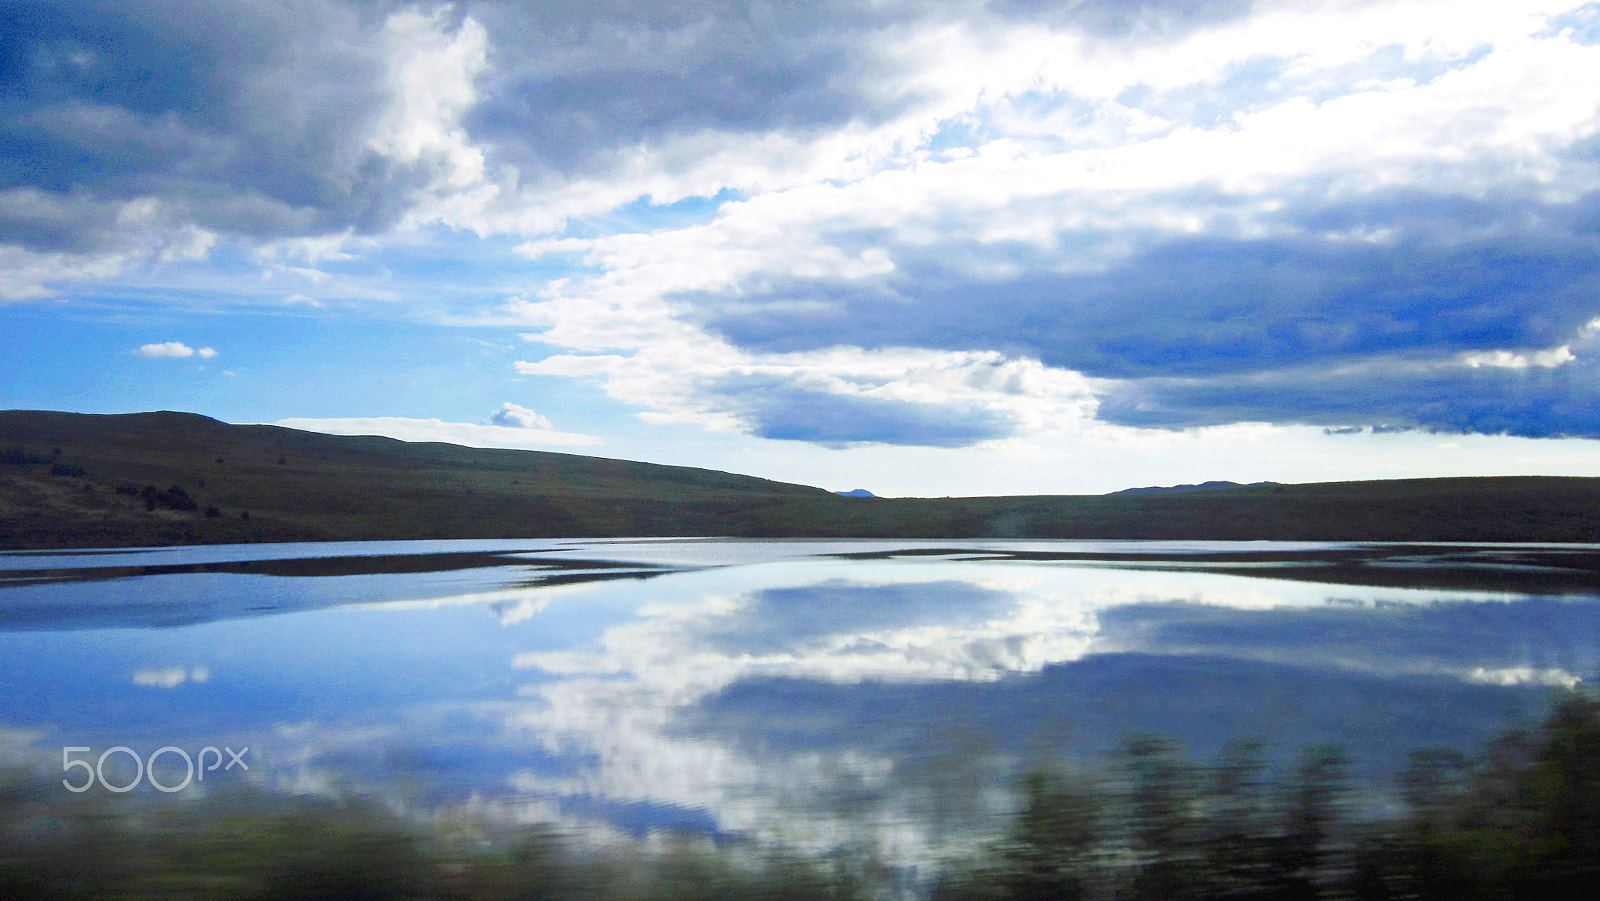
x=778 y=689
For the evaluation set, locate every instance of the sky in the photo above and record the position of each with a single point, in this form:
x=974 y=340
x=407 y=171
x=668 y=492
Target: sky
x=965 y=248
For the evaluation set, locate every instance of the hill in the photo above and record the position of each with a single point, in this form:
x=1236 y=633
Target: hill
x=86 y=486
x=78 y=480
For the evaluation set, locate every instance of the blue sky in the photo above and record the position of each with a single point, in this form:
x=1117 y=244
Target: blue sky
x=926 y=249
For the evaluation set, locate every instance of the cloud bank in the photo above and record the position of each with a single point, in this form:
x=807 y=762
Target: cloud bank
x=906 y=225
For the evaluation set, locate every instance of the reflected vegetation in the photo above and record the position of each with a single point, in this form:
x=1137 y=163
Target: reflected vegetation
x=807 y=719
x=1518 y=819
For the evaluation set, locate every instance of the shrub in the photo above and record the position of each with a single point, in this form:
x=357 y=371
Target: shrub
x=16 y=456
x=174 y=498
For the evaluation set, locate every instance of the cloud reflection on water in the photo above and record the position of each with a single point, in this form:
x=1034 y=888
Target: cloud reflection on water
x=730 y=700
x=758 y=688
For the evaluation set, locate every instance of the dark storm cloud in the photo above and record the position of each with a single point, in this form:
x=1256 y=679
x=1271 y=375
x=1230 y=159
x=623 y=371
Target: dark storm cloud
x=1211 y=306
x=256 y=118
x=244 y=117
x=1127 y=18
x=575 y=84
x=779 y=410
x=263 y=119
x=1211 y=330
x=1529 y=402
x=61 y=223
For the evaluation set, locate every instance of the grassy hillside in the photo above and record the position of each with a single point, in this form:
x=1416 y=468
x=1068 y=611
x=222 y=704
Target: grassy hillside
x=297 y=485
x=75 y=480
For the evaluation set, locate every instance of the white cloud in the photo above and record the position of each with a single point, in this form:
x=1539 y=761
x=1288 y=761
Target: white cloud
x=619 y=700
x=1477 y=101
x=1517 y=98
x=28 y=275
x=1506 y=359
x=171 y=677
x=466 y=433
x=969 y=143
x=174 y=350
x=432 y=76
x=679 y=387
x=1524 y=675
x=517 y=417
x=313 y=250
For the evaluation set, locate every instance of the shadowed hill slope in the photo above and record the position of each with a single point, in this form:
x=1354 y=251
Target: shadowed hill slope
x=298 y=485
x=77 y=480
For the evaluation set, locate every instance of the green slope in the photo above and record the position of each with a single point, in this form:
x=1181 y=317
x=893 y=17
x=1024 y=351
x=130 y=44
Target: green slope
x=61 y=489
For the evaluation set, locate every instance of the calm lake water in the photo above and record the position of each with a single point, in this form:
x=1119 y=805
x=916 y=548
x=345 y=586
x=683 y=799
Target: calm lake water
x=818 y=694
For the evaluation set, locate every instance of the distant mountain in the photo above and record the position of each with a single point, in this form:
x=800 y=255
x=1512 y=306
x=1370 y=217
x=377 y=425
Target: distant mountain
x=855 y=492
x=142 y=479
x=1203 y=486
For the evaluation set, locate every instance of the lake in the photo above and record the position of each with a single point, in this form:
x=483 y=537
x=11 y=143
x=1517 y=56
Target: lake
x=812 y=694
